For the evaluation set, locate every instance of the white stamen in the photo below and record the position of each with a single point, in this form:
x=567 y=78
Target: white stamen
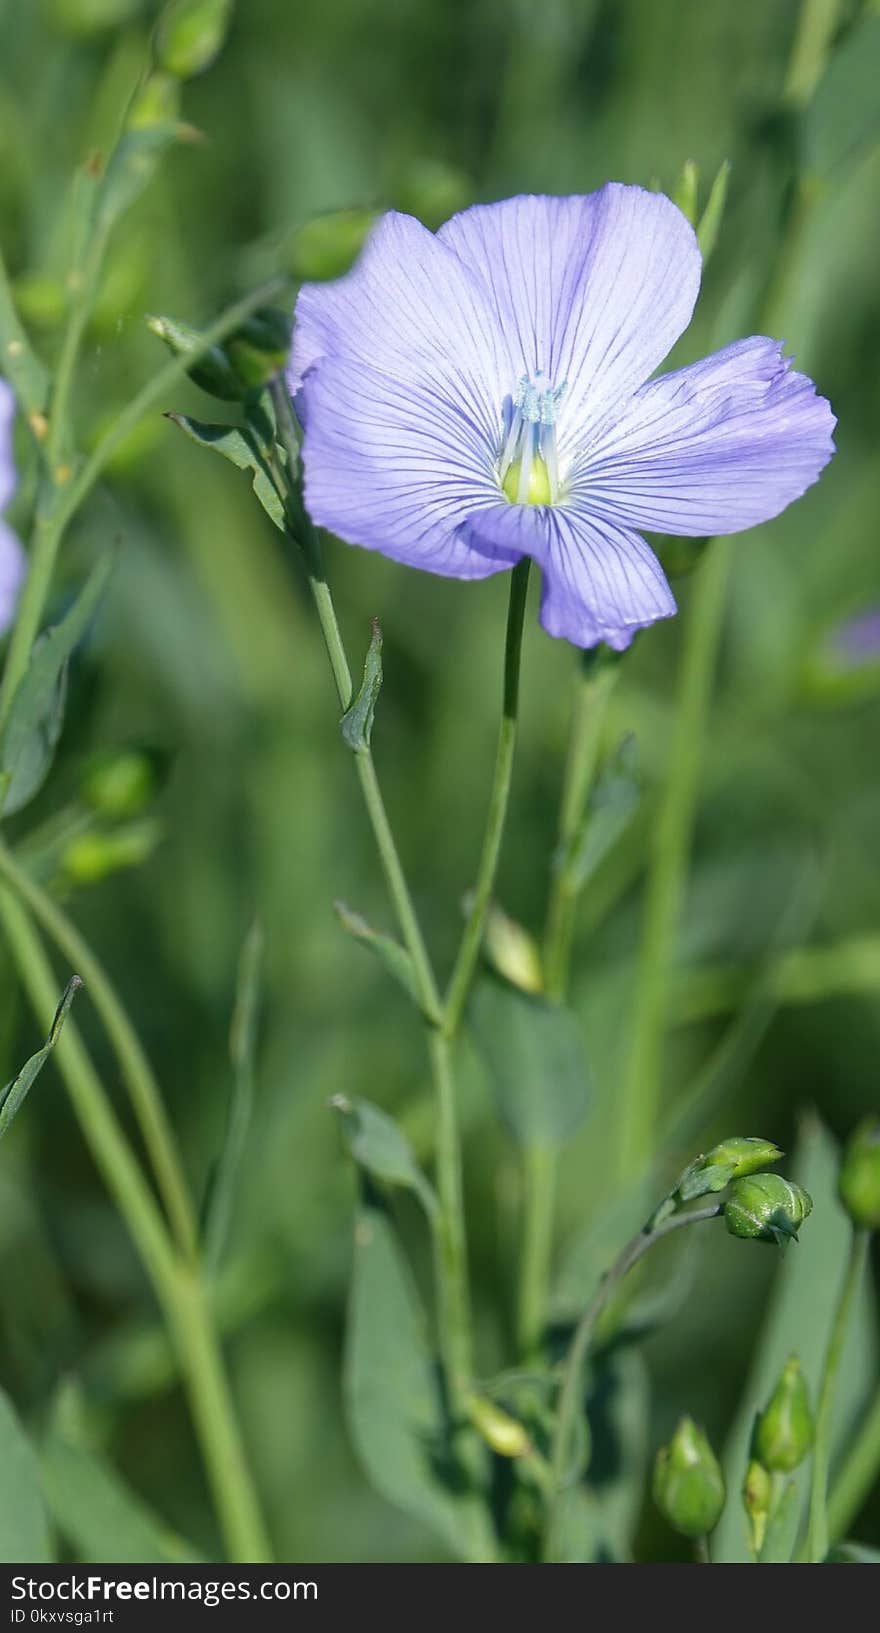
x=532 y=433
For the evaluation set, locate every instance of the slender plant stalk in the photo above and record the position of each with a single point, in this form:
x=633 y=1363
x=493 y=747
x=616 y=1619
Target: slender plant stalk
x=702 y=1554
x=59 y=504
x=572 y=1378
x=819 y=1527
x=472 y=938
x=146 y=1096
x=593 y=689
x=669 y=860
x=857 y=1473
x=178 y=1290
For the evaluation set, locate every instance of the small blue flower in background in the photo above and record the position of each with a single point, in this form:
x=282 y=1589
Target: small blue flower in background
x=857 y=641
x=12 y=559
x=482 y=394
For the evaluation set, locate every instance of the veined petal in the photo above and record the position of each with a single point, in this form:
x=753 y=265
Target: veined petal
x=8 y=478
x=411 y=310
x=396 y=465
x=593 y=290
x=713 y=448
x=601 y=581
x=13 y=566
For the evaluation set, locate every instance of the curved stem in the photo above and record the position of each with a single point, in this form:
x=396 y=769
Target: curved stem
x=471 y=941
x=818 y=1532
x=570 y=1394
x=179 y=1293
x=668 y=865
x=857 y=1473
x=146 y=1096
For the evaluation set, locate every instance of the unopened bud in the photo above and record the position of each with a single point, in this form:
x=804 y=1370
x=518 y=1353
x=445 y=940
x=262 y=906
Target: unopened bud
x=732 y=1159
x=688 y=1482
x=212 y=371
x=859 y=1182
x=257 y=351
x=191 y=34
x=156 y=103
x=784 y=1430
x=501 y=1432
x=757 y=1496
x=513 y=952
x=766 y=1208
x=328 y=245
x=119 y=783
x=94 y=856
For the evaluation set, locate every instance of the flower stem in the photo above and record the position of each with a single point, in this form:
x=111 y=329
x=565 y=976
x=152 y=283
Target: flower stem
x=593 y=688
x=146 y=1096
x=857 y=1473
x=178 y=1291
x=471 y=941
x=572 y=1377
x=818 y=1531
x=669 y=857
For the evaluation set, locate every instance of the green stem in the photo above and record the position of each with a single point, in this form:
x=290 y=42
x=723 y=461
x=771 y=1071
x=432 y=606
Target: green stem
x=472 y=938
x=61 y=505
x=146 y=1096
x=569 y=1406
x=702 y=1555
x=818 y=1531
x=669 y=858
x=857 y=1474
x=19 y=363
x=540 y=1166
x=593 y=690
x=84 y=285
x=178 y=1294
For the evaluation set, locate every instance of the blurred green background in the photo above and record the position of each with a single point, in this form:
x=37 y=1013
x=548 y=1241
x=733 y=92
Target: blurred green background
x=207 y=649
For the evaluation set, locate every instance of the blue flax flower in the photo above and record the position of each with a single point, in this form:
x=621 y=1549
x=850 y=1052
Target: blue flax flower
x=12 y=563
x=482 y=394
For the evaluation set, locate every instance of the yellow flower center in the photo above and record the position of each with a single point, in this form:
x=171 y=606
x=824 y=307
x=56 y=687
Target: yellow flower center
x=538 y=491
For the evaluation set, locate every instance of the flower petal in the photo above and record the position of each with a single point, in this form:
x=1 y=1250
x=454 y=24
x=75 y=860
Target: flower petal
x=410 y=310
x=713 y=448
x=594 y=290
x=396 y=465
x=8 y=479
x=13 y=567
x=601 y=581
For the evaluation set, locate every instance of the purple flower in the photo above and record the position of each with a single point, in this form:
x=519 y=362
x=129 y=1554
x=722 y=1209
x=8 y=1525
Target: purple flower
x=12 y=560
x=482 y=394
x=857 y=641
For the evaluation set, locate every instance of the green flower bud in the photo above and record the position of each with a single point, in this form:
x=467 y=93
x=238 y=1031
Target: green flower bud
x=859 y=1182
x=191 y=34
x=156 y=103
x=119 y=783
x=688 y=1482
x=513 y=952
x=213 y=371
x=766 y=1208
x=784 y=1430
x=93 y=856
x=732 y=1159
x=258 y=350
x=757 y=1496
x=328 y=245
x=503 y=1433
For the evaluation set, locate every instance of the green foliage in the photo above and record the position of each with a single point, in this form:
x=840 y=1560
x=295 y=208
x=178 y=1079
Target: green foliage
x=99 y=1514
x=13 y=1096
x=381 y=1148
x=356 y=724
x=240 y=445
x=535 y=1059
x=24 y=1531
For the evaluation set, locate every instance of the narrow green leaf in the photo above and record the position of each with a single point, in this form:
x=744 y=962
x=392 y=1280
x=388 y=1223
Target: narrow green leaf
x=395 y=958
x=610 y=809
x=782 y=1528
x=12 y=1097
x=100 y=1515
x=709 y=224
x=242 y=1050
x=685 y=194
x=843 y=118
x=534 y=1055
x=391 y=1390
x=853 y=1553
x=24 y=1531
x=18 y=361
x=29 y=738
x=240 y=446
x=379 y=1145
x=798 y=1321
x=356 y=724
x=131 y=168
